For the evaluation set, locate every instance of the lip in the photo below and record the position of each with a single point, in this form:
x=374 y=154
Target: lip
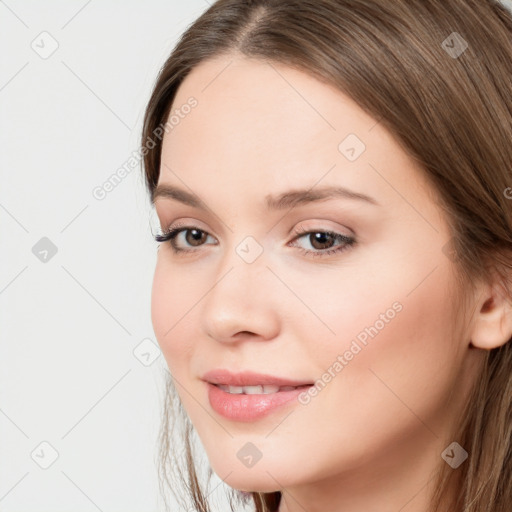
x=247 y=408
x=249 y=378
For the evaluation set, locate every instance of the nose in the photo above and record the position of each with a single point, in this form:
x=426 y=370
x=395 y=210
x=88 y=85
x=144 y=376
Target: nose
x=240 y=304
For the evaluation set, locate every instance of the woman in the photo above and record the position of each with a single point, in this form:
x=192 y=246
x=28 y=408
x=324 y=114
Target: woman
x=333 y=289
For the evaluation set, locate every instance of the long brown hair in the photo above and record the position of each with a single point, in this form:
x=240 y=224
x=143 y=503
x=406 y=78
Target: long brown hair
x=438 y=75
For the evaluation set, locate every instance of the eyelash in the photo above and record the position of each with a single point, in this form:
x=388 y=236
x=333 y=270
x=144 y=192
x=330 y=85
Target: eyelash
x=170 y=234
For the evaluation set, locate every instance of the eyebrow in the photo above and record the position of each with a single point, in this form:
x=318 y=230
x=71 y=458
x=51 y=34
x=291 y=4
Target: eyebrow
x=288 y=199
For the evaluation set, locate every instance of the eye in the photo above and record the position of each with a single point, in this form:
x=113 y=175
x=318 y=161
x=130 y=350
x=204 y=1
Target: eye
x=192 y=235
x=322 y=242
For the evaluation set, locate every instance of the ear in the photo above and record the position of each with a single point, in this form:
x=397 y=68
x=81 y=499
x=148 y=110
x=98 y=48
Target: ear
x=492 y=323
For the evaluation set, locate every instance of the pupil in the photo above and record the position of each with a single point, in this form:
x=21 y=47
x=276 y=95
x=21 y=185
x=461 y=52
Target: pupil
x=197 y=235
x=322 y=238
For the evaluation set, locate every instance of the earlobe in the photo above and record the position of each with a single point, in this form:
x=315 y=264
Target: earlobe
x=492 y=325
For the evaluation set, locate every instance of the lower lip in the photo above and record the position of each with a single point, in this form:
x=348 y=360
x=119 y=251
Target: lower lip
x=241 y=407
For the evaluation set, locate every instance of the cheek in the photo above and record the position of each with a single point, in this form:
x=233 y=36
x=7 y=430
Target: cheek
x=171 y=313
x=397 y=363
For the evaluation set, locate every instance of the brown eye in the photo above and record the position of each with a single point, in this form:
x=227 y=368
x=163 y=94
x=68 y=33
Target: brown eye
x=323 y=243
x=321 y=240
x=189 y=236
x=195 y=237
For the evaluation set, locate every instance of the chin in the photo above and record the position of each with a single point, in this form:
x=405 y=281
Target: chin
x=255 y=479
x=252 y=484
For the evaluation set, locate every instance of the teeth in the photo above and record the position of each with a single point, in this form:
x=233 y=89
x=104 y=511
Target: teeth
x=254 y=390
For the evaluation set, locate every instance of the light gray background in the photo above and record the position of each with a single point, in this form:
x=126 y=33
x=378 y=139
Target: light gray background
x=70 y=325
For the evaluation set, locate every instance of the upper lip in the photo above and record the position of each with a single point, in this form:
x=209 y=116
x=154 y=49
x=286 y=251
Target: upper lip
x=248 y=378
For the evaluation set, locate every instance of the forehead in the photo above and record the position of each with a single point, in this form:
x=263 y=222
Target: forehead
x=279 y=107
x=261 y=124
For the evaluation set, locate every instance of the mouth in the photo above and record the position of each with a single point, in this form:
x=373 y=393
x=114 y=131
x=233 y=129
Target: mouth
x=249 y=396
x=252 y=403
x=251 y=383
x=267 y=389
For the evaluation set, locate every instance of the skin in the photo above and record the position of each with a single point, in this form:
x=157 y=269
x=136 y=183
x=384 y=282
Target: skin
x=371 y=438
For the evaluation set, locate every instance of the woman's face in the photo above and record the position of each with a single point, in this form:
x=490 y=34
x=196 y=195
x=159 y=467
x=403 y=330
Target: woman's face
x=266 y=289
